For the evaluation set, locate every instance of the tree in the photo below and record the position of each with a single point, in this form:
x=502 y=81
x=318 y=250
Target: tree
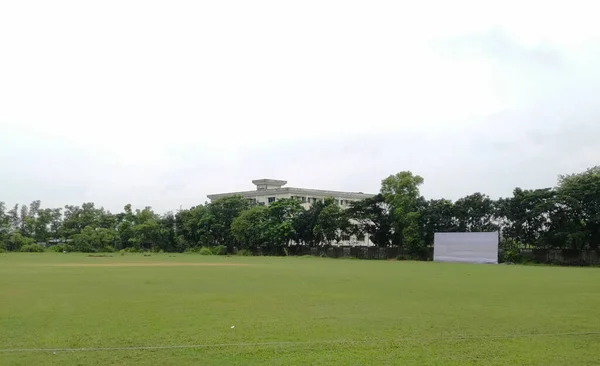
x=248 y=228
x=401 y=193
x=475 y=213
x=16 y=241
x=582 y=193
x=4 y=225
x=147 y=231
x=525 y=217
x=279 y=229
x=436 y=216
x=330 y=223
x=371 y=216
x=193 y=227
x=91 y=240
x=223 y=212
x=305 y=223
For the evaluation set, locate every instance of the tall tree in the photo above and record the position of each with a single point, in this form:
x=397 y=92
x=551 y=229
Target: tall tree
x=371 y=217
x=582 y=192
x=436 y=216
x=223 y=212
x=248 y=227
x=401 y=193
x=330 y=224
x=476 y=213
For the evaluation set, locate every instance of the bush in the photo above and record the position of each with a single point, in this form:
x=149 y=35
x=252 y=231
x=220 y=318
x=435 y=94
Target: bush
x=512 y=256
x=32 y=248
x=244 y=253
x=205 y=251
x=59 y=248
x=122 y=252
x=219 y=250
x=2 y=250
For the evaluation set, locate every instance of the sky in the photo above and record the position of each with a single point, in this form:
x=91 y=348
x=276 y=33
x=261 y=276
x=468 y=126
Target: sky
x=159 y=103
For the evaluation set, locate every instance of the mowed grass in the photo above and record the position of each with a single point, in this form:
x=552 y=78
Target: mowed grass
x=344 y=312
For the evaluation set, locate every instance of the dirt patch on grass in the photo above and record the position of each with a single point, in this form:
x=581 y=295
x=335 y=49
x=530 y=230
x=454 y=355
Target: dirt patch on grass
x=150 y=264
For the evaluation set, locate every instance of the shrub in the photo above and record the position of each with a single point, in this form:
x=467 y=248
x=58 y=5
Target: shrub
x=244 y=253
x=2 y=250
x=122 y=252
x=32 y=248
x=107 y=249
x=58 y=248
x=512 y=256
x=219 y=250
x=205 y=251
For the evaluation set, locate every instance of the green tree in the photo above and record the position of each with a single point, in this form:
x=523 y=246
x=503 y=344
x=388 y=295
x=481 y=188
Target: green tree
x=16 y=241
x=305 y=223
x=147 y=231
x=4 y=225
x=248 y=228
x=371 y=217
x=91 y=240
x=193 y=228
x=581 y=192
x=401 y=193
x=223 y=212
x=330 y=224
x=436 y=216
x=476 y=213
x=279 y=227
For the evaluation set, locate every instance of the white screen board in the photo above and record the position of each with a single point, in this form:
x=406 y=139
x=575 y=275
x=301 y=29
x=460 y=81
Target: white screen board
x=466 y=247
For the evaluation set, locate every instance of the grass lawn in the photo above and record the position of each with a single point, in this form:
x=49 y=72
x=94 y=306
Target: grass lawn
x=330 y=311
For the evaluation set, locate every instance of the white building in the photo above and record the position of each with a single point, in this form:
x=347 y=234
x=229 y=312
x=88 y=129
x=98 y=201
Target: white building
x=270 y=190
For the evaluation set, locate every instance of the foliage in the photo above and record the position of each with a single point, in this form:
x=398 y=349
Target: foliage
x=59 y=248
x=32 y=248
x=219 y=250
x=564 y=217
x=371 y=216
x=248 y=228
x=205 y=251
x=244 y=253
x=401 y=193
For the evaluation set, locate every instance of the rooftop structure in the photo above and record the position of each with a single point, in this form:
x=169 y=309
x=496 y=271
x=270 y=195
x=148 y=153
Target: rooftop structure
x=269 y=190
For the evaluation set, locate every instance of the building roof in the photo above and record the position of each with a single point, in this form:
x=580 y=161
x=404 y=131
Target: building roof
x=292 y=190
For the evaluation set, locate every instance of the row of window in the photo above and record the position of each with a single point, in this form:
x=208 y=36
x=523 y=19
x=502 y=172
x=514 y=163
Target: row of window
x=359 y=238
x=302 y=199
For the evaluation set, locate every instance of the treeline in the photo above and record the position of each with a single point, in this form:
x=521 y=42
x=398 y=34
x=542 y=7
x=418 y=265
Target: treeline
x=564 y=217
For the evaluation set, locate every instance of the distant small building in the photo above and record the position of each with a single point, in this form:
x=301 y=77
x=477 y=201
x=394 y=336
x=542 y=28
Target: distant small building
x=269 y=190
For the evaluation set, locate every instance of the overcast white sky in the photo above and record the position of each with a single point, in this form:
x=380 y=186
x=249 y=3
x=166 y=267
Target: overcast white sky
x=162 y=102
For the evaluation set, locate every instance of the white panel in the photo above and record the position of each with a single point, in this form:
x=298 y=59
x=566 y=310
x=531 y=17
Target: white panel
x=466 y=247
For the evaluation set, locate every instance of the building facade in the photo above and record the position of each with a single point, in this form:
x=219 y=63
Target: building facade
x=269 y=190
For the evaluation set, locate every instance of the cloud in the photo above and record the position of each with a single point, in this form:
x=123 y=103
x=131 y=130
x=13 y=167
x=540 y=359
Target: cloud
x=162 y=104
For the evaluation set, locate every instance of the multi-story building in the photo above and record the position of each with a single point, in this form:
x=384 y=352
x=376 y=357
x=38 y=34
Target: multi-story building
x=269 y=190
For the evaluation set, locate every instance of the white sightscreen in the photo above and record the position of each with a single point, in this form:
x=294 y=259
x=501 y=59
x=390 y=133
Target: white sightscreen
x=466 y=247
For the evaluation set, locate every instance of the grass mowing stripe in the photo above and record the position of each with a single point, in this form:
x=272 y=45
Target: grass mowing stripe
x=291 y=343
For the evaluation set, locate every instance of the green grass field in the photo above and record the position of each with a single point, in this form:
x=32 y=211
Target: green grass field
x=290 y=311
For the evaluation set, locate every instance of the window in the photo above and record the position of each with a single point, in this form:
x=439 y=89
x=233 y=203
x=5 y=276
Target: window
x=346 y=237
x=360 y=237
x=271 y=199
x=337 y=202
